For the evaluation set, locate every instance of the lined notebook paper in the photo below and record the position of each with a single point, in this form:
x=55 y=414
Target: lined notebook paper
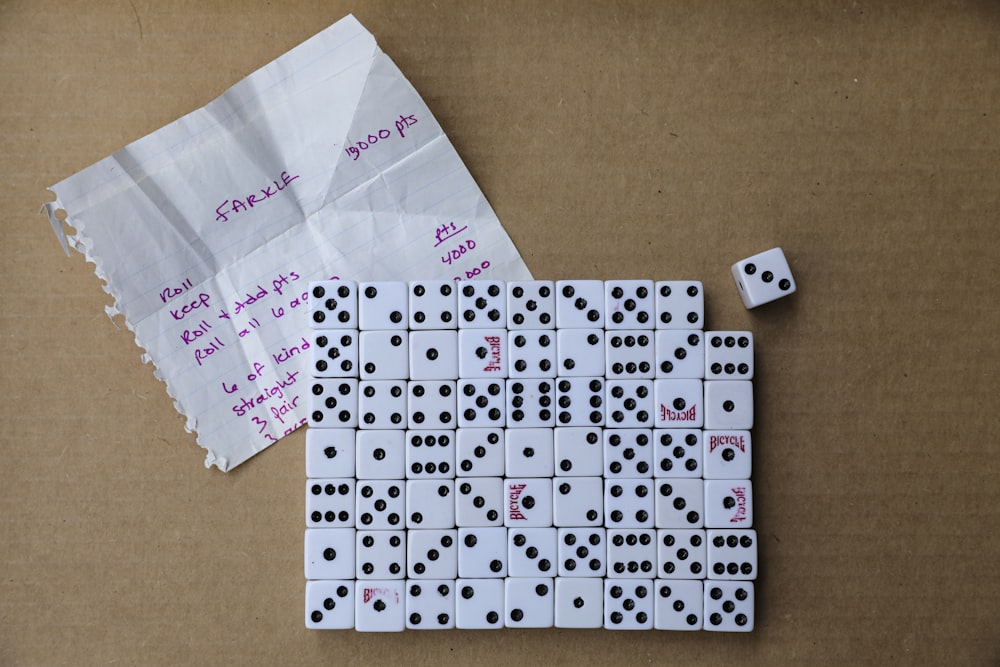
x=323 y=163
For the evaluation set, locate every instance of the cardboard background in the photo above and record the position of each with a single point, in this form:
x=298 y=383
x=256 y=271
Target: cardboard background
x=660 y=140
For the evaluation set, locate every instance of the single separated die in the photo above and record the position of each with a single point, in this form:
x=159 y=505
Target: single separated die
x=763 y=278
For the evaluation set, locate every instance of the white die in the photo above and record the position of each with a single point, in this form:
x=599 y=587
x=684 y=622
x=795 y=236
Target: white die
x=728 y=404
x=335 y=353
x=680 y=353
x=579 y=304
x=529 y=602
x=531 y=552
x=381 y=404
x=530 y=403
x=727 y=454
x=579 y=451
x=482 y=353
x=628 y=605
x=529 y=452
x=430 y=604
x=582 y=552
x=330 y=605
x=680 y=503
x=433 y=355
x=528 y=502
x=479 y=452
x=680 y=304
x=330 y=503
x=678 y=403
x=680 y=553
x=763 y=278
x=579 y=602
x=628 y=452
x=482 y=304
x=381 y=554
x=384 y=355
x=479 y=604
x=432 y=554
x=629 y=354
x=430 y=404
x=577 y=501
x=382 y=305
x=732 y=554
x=380 y=454
x=629 y=403
x=433 y=304
x=677 y=452
x=728 y=355
x=628 y=503
x=628 y=304
x=728 y=503
x=729 y=606
x=334 y=403
x=481 y=402
x=579 y=352
x=430 y=454
x=532 y=353
x=631 y=553
x=482 y=552
x=381 y=504
x=479 y=502
x=380 y=606
x=333 y=304
x=430 y=504
x=580 y=401
x=678 y=605
x=531 y=304
x=330 y=452
x=329 y=553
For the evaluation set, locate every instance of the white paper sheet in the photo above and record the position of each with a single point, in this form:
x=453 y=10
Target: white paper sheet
x=323 y=163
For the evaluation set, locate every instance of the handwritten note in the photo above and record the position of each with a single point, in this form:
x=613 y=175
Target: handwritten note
x=324 y=163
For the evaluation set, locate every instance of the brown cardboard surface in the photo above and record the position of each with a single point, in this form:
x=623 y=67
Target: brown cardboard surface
x=660 y=140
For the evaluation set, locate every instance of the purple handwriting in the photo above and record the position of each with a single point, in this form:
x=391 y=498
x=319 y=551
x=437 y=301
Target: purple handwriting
x=234 y=206
x=357 y=147
x=446 y=231
x=201 y=302
x=456 y=253
x=170 y=292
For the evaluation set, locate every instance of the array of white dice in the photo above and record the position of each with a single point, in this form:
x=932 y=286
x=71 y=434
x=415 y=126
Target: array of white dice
x=485 y=454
